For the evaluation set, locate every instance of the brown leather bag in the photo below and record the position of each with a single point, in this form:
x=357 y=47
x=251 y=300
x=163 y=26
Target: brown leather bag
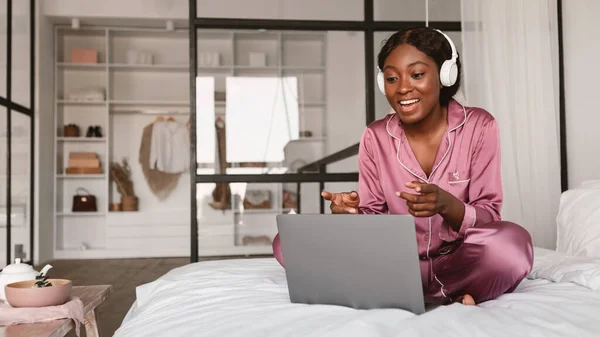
x=84 y=202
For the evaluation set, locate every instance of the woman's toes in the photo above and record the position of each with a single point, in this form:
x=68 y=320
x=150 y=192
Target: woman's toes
x=468 y=300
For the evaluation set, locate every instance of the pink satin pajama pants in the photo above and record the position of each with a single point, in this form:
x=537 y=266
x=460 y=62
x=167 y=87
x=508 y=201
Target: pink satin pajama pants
x=490 y=261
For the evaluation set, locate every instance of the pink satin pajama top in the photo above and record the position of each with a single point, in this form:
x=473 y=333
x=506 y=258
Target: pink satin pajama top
x=467 y=165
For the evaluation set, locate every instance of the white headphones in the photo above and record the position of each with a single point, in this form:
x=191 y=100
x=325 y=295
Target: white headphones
x=448 y=71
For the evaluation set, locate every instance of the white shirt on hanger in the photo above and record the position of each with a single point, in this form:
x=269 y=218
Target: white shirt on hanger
x=169 y=149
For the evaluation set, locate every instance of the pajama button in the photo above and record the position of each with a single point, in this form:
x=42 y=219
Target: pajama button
x=425 y=237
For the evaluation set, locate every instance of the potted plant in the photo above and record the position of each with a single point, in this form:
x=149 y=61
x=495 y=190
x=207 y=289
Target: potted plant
x=121 y=175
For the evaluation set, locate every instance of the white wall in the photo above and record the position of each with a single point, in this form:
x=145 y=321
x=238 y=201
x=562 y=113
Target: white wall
x=581 y=46
x=44 y=124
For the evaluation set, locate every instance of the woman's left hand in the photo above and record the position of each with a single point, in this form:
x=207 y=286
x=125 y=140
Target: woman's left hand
x=429 y=201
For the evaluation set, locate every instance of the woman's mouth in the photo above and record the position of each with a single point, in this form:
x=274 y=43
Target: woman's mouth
x=409 y=104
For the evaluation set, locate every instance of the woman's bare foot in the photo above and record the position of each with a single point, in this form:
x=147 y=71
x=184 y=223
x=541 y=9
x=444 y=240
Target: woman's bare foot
x=466 y=299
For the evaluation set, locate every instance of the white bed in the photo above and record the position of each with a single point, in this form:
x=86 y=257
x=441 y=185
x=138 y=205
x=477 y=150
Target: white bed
x=249 y=297
x=560 y=297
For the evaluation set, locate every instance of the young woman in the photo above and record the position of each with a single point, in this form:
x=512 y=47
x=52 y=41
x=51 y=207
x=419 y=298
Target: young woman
x=439 y=161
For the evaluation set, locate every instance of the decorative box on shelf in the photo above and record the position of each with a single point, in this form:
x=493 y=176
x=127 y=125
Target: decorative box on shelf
x=87 y=94
x=83 y=163
x=84 y=55
x=71 y=130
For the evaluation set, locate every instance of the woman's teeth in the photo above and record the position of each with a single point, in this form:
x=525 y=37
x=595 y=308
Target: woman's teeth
x=409 y=101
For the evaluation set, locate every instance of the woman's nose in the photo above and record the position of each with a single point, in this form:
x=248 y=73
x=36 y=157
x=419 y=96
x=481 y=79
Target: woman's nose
x=404 y=85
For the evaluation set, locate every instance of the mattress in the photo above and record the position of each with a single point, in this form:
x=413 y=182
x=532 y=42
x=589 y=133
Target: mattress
x=249 y=297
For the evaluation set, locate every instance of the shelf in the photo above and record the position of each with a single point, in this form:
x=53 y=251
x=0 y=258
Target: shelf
x=215 y=68
x=149 y=67
x=135 y=31
x=148 y=112
x=138 y=93
x=82 y=66
x=81 y=139
x=80 y=214
x=247 y=67
x=223 y=104
x=62 y=101
x=81 y=176
x=149 y=103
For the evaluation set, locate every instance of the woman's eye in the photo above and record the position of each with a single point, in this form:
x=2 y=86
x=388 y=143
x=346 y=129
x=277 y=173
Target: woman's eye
x=418 y=75
x=391 y=79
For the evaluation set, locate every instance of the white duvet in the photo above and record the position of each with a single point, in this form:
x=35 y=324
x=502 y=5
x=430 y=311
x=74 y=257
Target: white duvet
x=249 y=297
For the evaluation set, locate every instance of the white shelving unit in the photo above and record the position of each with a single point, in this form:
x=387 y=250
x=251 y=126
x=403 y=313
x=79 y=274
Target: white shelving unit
x=132 y=93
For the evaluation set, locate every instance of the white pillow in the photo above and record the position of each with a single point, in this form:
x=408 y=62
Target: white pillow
x=591 y=184
x=558 y=267
x=578 y=220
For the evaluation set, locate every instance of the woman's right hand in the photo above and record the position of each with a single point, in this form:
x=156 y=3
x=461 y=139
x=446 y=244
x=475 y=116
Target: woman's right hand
x=342 y=203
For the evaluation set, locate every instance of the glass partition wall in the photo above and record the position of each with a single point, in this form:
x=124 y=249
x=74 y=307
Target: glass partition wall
x=16 y=130
x=263 y=101
x=279 y=101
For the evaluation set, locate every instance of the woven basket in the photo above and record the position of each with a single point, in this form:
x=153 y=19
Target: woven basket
x=129 y=204
x=71 y=131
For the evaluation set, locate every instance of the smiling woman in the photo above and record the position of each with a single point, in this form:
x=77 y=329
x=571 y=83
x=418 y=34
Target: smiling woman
x=439 y=161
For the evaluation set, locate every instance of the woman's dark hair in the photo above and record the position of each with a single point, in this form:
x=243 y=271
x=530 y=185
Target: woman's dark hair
x=432 y=44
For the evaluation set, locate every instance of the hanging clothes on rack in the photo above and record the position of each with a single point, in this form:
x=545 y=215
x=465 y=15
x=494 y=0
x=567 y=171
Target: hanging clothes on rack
x=161 y=184
x=169 y=148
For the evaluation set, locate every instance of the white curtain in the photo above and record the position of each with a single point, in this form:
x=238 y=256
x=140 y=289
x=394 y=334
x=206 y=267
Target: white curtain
x=510 y=69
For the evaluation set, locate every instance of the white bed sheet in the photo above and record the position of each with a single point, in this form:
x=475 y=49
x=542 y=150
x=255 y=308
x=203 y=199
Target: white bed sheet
x=249 y=297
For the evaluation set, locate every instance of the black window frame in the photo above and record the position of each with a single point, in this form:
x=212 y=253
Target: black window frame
x=7 y=102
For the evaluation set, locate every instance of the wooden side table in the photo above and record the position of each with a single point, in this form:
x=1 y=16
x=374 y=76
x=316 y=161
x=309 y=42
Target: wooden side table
x=91 y=296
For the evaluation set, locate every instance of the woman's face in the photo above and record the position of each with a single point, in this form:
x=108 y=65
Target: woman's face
x=412 y=84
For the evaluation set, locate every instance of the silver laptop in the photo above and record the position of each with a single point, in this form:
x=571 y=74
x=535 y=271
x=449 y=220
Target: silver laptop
x=358 y=261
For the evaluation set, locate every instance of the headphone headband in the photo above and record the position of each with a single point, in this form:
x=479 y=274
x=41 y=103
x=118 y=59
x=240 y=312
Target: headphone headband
x=454 y=53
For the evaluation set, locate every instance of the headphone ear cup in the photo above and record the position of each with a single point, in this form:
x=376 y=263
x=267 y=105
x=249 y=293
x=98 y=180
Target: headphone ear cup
x=448 y=73
x=380 y=82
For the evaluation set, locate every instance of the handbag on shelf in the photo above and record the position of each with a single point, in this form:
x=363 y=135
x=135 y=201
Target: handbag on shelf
x=84 y=202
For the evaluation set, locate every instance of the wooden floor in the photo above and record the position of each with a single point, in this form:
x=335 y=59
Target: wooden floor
x=123 y=274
